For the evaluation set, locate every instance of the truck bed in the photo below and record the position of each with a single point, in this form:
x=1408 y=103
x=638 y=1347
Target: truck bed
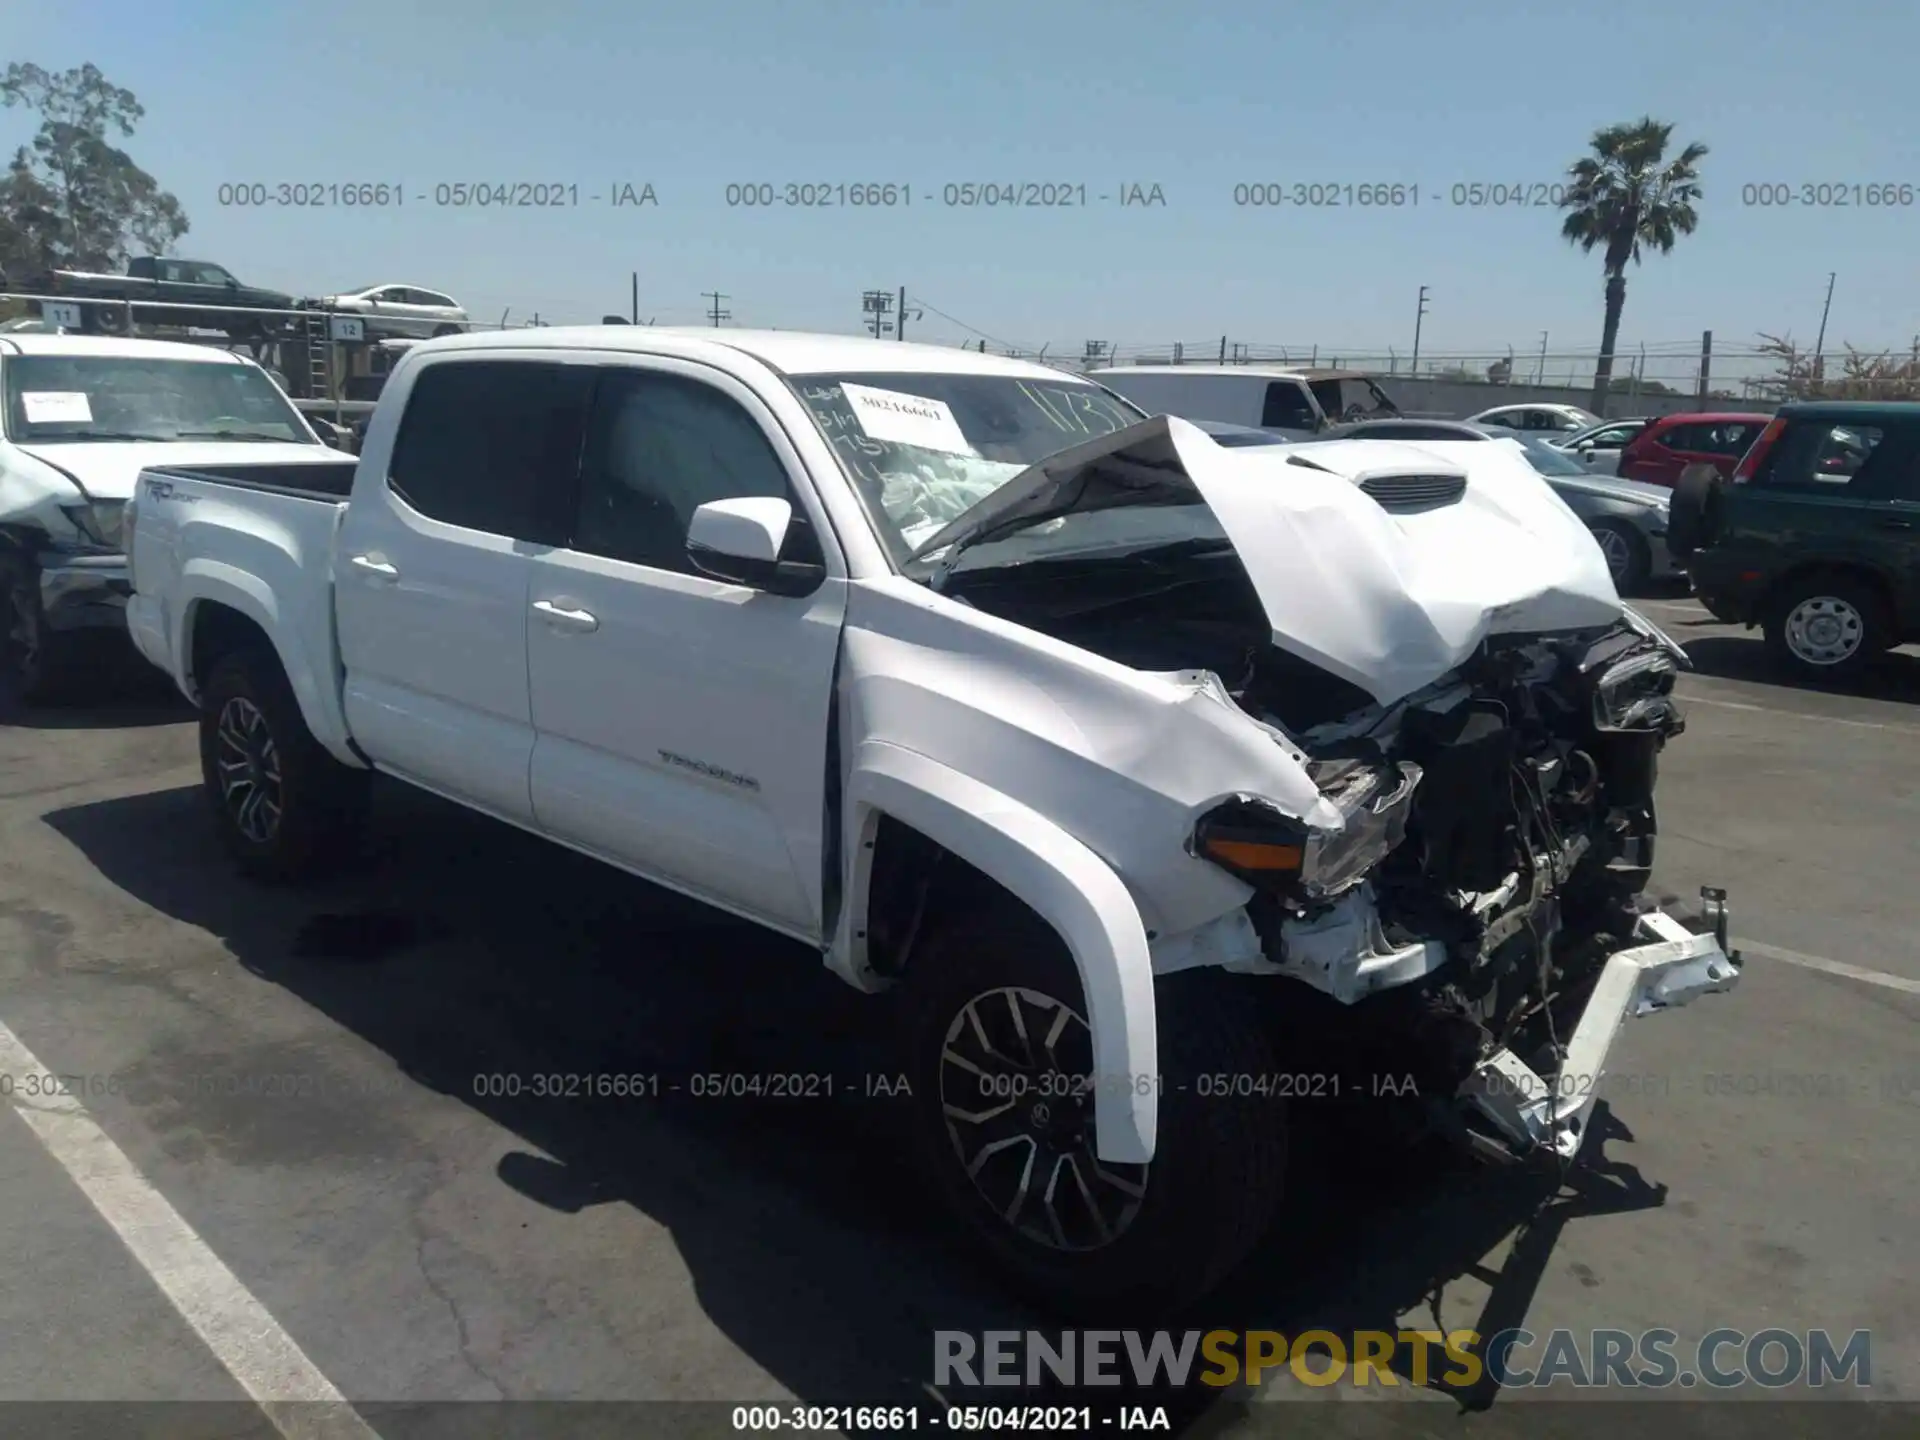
x=254 y=538
x=330 y=480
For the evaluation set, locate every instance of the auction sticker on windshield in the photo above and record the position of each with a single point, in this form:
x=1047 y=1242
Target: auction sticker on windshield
x=56 y=407
x=907 y=419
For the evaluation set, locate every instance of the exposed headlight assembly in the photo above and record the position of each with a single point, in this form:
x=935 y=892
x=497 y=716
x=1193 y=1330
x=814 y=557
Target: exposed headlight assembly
x=1269 y=850
x=99 y=521
x=1632 y=692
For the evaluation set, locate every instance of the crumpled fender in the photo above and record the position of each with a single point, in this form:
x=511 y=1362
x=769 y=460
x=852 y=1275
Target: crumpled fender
x=1064 y=883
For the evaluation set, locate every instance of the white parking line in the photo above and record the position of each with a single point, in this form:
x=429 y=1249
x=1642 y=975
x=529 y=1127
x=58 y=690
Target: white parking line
x=301 y=1403
x=1829 y=967
x=1693 y=699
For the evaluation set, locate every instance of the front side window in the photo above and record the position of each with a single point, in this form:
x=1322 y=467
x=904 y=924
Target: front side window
x=73 y=399
x=488 y=445
x=921 y=449
x=659 y=447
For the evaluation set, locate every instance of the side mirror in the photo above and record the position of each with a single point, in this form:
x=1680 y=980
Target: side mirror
x=740 y=540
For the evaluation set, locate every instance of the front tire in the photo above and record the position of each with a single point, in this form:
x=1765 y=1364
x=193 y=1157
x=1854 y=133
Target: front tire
x=1008 y=1148
x=1826 y=627
x=283 y=807
x=44 y=665
x=1629 y=561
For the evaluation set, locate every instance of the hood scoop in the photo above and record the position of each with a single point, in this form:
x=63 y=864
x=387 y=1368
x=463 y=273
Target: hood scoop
x=1413 y=492
x=1400 y=489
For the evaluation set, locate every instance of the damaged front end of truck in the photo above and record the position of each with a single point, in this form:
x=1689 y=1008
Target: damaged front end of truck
x=1443 y=657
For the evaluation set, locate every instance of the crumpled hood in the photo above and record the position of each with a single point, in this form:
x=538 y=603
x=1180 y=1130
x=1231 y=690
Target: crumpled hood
x=108 y=469
x=1389 y=599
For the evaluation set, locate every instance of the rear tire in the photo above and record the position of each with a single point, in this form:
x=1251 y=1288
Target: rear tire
x=1826 y=627
x=284 y=808
x=1176 y=1225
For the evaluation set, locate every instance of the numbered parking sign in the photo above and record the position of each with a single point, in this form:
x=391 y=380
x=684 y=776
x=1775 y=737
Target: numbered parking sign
x=63 y=314
x=347 y=327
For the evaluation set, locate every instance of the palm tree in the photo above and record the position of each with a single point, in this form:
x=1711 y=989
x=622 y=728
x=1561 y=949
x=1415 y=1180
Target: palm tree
x=1622 y=197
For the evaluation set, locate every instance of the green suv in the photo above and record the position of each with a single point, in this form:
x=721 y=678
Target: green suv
x=1815 y=538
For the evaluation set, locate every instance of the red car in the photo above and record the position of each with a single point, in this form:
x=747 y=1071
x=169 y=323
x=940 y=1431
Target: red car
x=1660 y=452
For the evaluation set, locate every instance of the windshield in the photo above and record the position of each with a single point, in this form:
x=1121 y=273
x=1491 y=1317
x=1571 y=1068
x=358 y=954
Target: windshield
x=80 y=398
x=1548 y=459
x=1247 y=437
x=920 y=449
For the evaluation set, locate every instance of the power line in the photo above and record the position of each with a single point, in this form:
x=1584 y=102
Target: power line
x=925 y=304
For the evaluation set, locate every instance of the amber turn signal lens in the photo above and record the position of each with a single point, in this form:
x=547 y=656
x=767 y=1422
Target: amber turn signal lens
x=1254 y=855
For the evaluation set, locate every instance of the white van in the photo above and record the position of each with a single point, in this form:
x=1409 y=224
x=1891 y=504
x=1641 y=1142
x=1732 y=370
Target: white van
x=1293 y=402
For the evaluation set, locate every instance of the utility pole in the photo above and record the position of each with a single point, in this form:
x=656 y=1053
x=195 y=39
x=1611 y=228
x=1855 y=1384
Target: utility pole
x=904 y=315
x=1540 y=370
x=1418 y=316
x=714 y=313
x=1820 y=342
x=877 y=305
x=1706 y=366
x=636 y=297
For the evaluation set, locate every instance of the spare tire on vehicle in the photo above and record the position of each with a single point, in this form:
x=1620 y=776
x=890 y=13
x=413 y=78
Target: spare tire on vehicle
x=1694 y=512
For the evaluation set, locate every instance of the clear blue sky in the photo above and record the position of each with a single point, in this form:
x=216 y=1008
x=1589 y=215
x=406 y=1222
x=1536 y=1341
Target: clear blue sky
x=1195 y=97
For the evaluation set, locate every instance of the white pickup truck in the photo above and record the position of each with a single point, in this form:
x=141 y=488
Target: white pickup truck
x=1121 y=754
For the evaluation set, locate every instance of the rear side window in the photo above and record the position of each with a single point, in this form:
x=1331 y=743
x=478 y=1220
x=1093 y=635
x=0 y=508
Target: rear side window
x=1286 y=408
x=1679 y=437
x=491 y=445
x=1821 y=456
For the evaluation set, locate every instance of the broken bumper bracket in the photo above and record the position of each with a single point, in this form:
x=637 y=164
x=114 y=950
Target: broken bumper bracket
x=1540 y=1117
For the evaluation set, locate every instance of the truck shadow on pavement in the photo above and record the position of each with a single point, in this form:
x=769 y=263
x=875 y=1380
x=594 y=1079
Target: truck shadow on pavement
x=464 y=949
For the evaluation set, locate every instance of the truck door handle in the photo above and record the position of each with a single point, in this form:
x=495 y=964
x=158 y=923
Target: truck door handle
x=375 y=567
x=562 y=617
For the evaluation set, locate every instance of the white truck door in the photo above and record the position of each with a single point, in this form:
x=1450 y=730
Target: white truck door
x=681 y=721
x=432 y=568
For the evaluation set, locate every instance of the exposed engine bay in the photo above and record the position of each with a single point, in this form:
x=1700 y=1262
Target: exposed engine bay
x=1498 y=824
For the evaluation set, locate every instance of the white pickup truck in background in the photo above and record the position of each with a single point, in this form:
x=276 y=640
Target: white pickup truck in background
x=79 y=417
x=1122 y=754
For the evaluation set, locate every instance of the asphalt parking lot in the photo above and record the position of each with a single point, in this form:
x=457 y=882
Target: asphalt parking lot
x=300 y=1082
